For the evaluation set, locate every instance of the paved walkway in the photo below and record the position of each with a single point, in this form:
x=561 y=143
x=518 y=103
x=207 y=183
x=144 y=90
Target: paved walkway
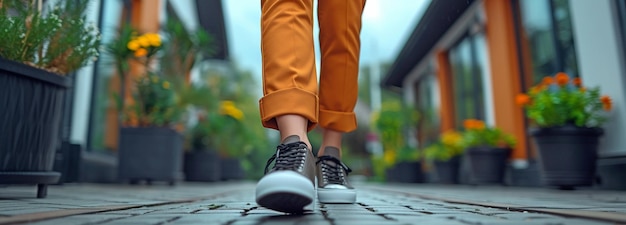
x=232 y=203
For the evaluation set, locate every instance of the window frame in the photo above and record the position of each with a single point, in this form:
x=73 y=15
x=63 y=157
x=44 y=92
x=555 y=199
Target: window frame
x=427 y=77
x=95 y=84
x=477 y=93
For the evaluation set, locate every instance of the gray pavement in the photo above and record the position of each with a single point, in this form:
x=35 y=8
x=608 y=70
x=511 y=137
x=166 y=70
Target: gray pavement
x=232 y=203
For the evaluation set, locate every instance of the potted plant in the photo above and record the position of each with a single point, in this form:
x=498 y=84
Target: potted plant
x=202 y=161
x=446 y=154
x=401 y=161
x=407 y=167
x=174 y=59
x=150 y=145
x=488 y=150
x=567 y=117
x=40 y=46
x=230 y=139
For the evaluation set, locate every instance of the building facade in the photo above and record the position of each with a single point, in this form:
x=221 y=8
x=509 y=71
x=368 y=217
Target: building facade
x=469 y=59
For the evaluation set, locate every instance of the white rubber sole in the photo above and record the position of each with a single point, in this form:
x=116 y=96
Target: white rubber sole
x=285 y=191
x=331 y=195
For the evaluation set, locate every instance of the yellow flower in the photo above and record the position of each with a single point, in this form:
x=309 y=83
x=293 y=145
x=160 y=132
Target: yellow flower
x=154 y=39
x=389 y=156
x=451 y=138
x=228 y=108
x=141 y=52
x=166 y=85
x=228 y=104
x=143 y=41
x=133 y=45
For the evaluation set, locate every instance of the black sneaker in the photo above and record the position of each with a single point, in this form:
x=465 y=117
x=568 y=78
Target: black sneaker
x=289 y=186
x=332 y=179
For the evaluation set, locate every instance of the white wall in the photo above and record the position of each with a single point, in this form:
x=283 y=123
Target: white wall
x=82 y=90
x=601 y=63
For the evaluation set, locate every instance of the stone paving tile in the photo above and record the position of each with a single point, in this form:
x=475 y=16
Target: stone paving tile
x=374 y=206
x=83 y=219
x=27 y=210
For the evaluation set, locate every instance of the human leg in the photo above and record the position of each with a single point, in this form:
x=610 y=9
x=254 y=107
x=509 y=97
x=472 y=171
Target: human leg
x=289 y=104
x=289 y=76
x=331 y=138
x=340 y=27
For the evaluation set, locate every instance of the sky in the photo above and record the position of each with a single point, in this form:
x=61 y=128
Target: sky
x=386 y=26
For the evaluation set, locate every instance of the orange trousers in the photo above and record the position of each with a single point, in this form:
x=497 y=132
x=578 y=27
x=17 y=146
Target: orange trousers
x=290 y=83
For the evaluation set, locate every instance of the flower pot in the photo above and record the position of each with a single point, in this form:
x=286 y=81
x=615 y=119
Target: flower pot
x=31 y=101
x=202 y=165
x=448 y=171
x=150 y=154
x=231 y=169
x=405 y=172
x=487 y=164
x=567 y=155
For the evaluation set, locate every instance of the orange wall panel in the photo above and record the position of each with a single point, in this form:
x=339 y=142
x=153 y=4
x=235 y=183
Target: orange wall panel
x=445 y=91
x=505 y=72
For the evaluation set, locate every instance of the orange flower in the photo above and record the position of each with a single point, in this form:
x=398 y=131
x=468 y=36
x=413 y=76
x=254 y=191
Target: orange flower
x=577 y=82
x=606 y=102
x=468 y=124
x=583 y=89
x=537 y=89
x=522 y=99
x=561 y=78
x=133 y=121
x=141 y=52
x=473 y=124
x=547 y=81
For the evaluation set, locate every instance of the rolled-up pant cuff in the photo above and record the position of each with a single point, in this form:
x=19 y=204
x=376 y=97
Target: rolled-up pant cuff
x=289 y=101
x=339 y=121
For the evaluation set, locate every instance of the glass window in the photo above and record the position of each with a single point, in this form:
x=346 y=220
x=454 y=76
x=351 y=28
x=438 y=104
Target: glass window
x=546 y=39
x=103 y=128
x=428 y=124
x=467 y=81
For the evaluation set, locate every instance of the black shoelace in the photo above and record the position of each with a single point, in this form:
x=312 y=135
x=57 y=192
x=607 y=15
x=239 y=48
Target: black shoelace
x=334 y=173
x=288 y=157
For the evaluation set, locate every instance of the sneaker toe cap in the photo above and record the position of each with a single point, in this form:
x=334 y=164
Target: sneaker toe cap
x=335 y=186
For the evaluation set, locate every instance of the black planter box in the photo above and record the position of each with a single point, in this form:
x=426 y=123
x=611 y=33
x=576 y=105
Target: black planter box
x=202 y=166
x=448 y=171
x=31 y=101
x=568 y=155
x=487 y=164
x=150 y=154
x=405 y=172
x=231 y=169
